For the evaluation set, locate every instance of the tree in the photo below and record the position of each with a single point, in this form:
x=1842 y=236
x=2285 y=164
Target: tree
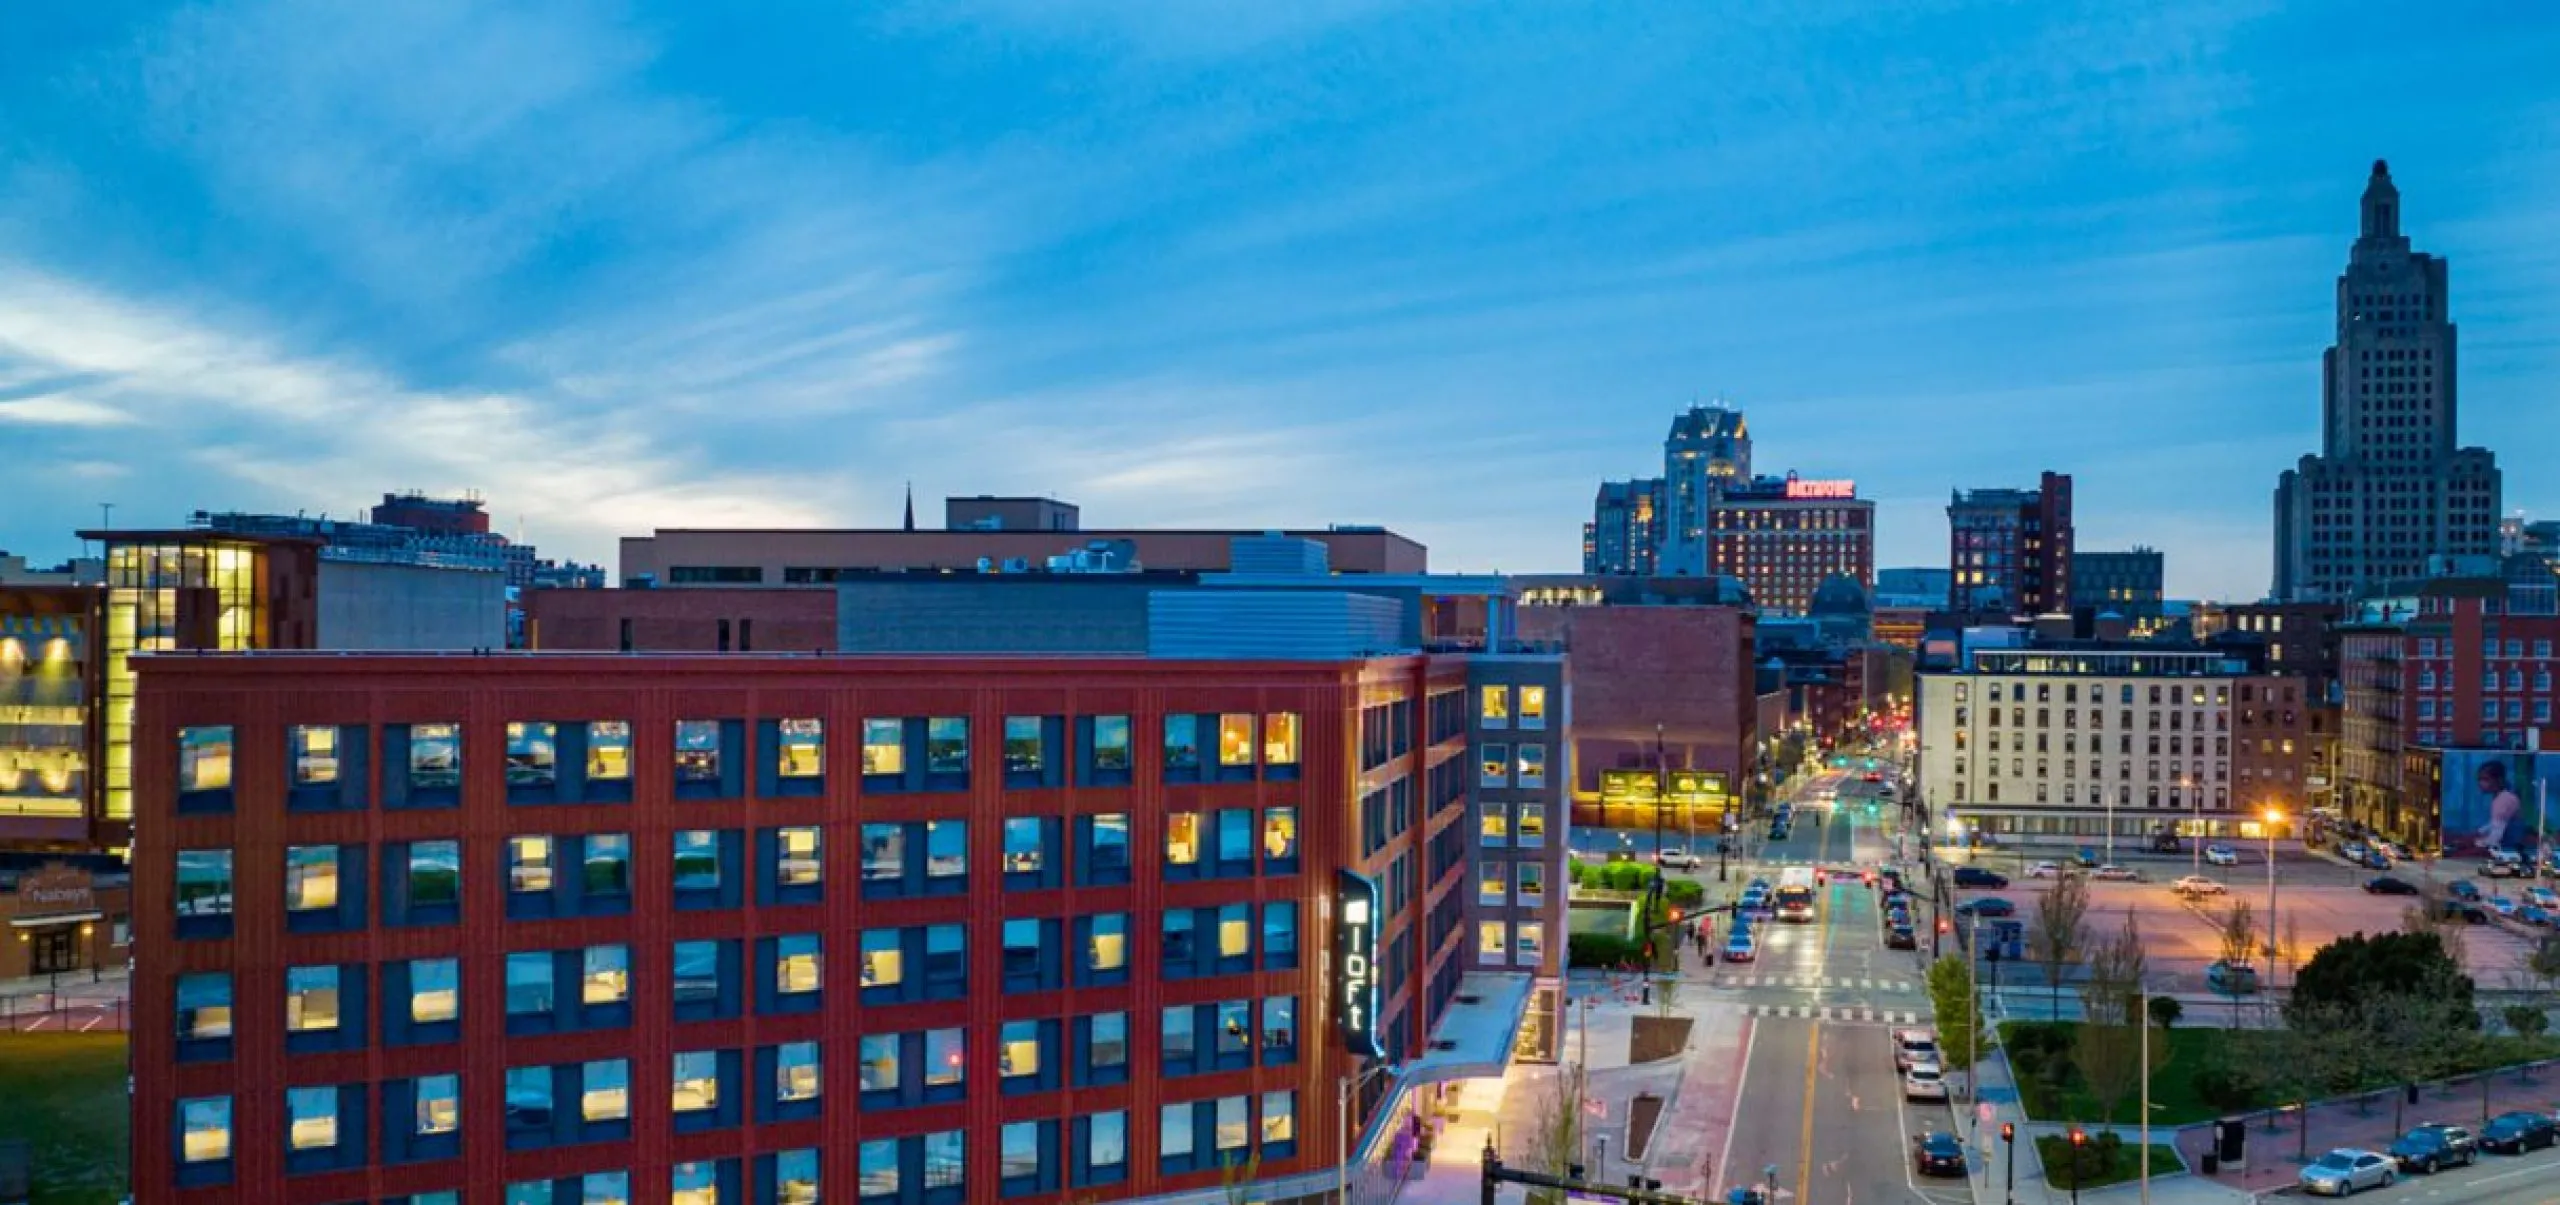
x=1556 y=1131
x=1959 y=1016
x=2526 y=1020
x=2238 y=933
x=2110 y=1040
x=2348 y=977
x=2166 y=1011
x=2061 y=932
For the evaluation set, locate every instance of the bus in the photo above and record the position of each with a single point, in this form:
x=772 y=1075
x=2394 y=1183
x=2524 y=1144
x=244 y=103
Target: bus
x=1794 y=897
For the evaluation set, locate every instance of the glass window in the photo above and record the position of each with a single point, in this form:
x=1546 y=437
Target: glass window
x=1111 y=841
x=204 y=1125
x=435 y=872
x=1533 y=940
x=1111 y=742
x=1235 y=1027
x=1109 y=1043
x=795 y=1176
x=1181 y=1044
x=1533 y=825
x=1173 y=1131
x=1533 y=884
x=1019 y=1150
x=1494 y=829
x=1279 y=931
x=606 y=1091
x=879 y=1062
x=697 y=971
x=605 y=1188
x=311 y=878
x=1107 y=1140
x=1182 y=742
x=315 y=754
x=796 y=857
x=944 y=1057
x=529 y=983
x=796 y=1075
x=1235 y=931
x=435 y=990
x=796 y=966
x=884 y=747
x=884 y=964
x=697 y=1080
x=946 y=745
x=311 y=999
x=204 y=882
x=884 y=852
x=877 y=1167
x=1109 y=948
x=804 y=748
x=1497 y=765
x=435 y=756
x=605 y=863
x=697 y=860
x=439 y=1105
x=1533 y=765
x=529 y=1192
x=1280 y=738
x=1235 y=836
x=695 y=1183
x=204 y=1006
x=1280 y=833
x=1533 y=707
x=1493 y=882
x=1023 y=752
x=1280 y=1023
x=944 y=1161
x=1018 y=1050
x=608 y=751
x=1021 y=946
x=697 y=750
x=1280 y=1116
x=1023 y=847
x=204 y=758
x=529 y=866
x=1493 y=941
x=946 y=848
x=311 y=1118
x=1178 y=926
x=1496 y=710
x=532 y=755
x=1182 y=839
x=1235 y=740
x=606 y=977
x=1233 y=1127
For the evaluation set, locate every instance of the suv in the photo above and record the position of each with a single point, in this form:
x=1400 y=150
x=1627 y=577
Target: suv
x=2432 y=1148
x=1924 y=1081
x=1975 y=876
x=1914 y=1047
x=2504 y=864
x=1676 y=858
x=2231 y=978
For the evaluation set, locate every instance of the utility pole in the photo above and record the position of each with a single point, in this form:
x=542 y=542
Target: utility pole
x=1661 y=795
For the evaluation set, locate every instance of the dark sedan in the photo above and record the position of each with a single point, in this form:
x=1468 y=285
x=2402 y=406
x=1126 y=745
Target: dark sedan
x=1975 y=876
x=2516 y=1133
x=1937 y=1154
x=1901 y=937
x=2433 y=1148
x=2383 y=884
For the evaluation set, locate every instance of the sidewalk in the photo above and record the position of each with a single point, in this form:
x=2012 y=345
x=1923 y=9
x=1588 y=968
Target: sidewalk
x=2275 y=1158
x=77 y=1001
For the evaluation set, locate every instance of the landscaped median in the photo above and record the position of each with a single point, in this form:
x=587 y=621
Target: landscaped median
x=2101 y=1159
x=2199 y=1074
x=65 y=1094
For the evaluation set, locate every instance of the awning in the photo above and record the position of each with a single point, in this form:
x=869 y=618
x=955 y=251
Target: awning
x=1473 y=1039
x=59 y=918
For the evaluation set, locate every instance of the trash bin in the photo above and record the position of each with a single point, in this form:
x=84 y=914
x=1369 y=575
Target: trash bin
x=2212 y=1163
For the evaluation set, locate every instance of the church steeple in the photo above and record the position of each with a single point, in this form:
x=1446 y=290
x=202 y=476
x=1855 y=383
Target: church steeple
x=911 y=506
x=2381 y=204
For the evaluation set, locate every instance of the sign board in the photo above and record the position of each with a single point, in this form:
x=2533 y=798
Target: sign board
x=1355 y=946
x=1679 y=788
x=1821 y=489
x=54 y=890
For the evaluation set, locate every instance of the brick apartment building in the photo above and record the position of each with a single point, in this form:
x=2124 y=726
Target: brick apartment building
x=2450 y=663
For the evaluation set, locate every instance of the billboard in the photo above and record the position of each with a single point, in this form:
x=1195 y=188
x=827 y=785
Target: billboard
x=2494 y=799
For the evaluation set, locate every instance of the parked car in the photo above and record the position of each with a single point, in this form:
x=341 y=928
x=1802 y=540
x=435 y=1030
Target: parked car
x=2462 y=910
x=2221 y=855
x=2465 y=890
x=2518 y=1132
x=2086 y=858
x=1741 y=947
x=2432 y=1148
x=2535 y=915
x=2504 y=864
x=2231 y=978
x=1912 y=1047
x=2375 y=859
x=2383 y=884
x=2504 y=905
x=1975 y=876
x=2543 y=898
x=1924 y=1081
x=2044 y=870
x=2196 y=884
x=2344 y=1171
x=2116 y=874
x=2353 y=851
x=1989 y=905
x=2392 y=849
x=1901 y=937
x=1937 y=1154
x=1676 y=858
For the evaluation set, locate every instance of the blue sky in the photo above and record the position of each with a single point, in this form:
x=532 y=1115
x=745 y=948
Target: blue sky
x=1438 y=266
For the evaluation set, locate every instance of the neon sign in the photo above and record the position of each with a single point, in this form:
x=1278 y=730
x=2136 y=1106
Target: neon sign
x=1355 y=947
x=1821 y=489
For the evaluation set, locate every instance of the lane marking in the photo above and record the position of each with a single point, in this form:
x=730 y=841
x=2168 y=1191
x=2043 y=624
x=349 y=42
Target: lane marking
x=1812 y=1068
x=1741 y=1093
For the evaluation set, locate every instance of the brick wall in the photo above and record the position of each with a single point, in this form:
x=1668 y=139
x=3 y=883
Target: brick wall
x=1687 y=669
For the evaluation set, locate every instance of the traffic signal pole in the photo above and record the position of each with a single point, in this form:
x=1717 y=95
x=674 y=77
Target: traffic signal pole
x=1496 y=1175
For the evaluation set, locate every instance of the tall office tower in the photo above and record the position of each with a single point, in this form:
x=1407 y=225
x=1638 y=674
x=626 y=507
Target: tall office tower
x=2011 y=548
x=2389 y=488
x=1620 y=539
x=1709 y=447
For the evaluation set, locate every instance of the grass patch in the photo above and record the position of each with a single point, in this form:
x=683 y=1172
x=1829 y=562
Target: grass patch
x=2102 y=1162
x=2174 y=1096
x=65 y=1095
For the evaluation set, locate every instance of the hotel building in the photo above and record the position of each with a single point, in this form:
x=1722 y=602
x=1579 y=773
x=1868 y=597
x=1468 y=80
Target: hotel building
x=1783 y=537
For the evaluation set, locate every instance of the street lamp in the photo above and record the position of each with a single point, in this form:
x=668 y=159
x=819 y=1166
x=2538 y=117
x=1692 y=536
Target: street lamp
x=1348 y=1087
x=2273 y=818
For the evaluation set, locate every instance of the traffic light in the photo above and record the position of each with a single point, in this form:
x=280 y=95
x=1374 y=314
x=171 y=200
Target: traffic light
x=1675 y=916
x=2079 y=1137
x=1944 y=927
x=2008 y=1132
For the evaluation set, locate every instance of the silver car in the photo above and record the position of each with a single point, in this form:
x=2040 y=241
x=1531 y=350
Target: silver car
x=2346 y=1170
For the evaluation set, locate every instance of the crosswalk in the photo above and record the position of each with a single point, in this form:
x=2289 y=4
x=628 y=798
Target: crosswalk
x=1843 y=1013
x=1815 y=981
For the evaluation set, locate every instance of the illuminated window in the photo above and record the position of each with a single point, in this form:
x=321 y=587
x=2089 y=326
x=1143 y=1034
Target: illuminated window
x=796 y=965
x=1280 y=738
x=606 y=975
x=1182 y=839
x=884 y=964
x=311 y=999
x=1235 y=931
x=315 y=755
x=1235 y=1027
x=1533 y=707
x=804 y=748
x=1279 y=1117
x=1018 y=1050
x=435 y=991
x=608 y=751
x=204 y=1006
x=435 y=756
x=698 y=751
x=795 y=1177
x=946 y=745
x=311 y=878
x=1280 y=834
x=529 y=865
x=696 y=1081
x=1235 y=740
x=1497 y=766
x=1495 y=711
x=945 y=1054
x=1533 y=940
x=204 y=758
x=1533 y=825
x=877 y=1054
x=1494 y=828
x=1109 y=948
x=884 y=747
x=1533 y=884
x=606 y=1091
x=532 y=755
x=796 y=1075
x=1493 y=882
x=439 y=1105
x=204 y=1125
x=311 y=1118
x=796 y=860
x=1493 y=941
x=1533 y=765
x=884 y=853
x=696 y=1183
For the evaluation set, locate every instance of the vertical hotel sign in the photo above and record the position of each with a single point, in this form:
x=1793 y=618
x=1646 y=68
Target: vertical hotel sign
x=1355 y=954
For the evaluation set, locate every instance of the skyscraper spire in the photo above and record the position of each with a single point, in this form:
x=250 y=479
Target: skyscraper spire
x=911 y=506
x=2381 y=203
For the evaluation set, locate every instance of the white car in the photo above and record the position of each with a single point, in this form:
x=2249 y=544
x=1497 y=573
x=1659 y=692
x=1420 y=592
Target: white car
x=2221 y=855
x=1924 y=1081
x=1676 y=858
x=2117 y=874
x=2196 y=884
x=2044 y=870
x=1914 y=1047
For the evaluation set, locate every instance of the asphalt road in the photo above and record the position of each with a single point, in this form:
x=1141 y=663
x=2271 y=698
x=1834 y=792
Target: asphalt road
x=1822 y=1104
x=2497 y=1180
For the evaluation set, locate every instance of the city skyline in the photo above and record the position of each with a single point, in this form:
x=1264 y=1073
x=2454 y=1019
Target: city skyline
x=619 y=269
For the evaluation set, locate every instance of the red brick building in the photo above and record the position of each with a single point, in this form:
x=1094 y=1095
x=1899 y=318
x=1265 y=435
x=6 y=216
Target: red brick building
x=2458 y=663
x=742 y=619
x=1682 y=673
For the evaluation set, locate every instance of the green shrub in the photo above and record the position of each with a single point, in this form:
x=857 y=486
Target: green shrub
x=1685 y=893
x=1601 y=951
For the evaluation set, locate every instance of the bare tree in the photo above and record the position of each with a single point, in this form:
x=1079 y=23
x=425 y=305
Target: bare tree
x=2238 y=933
x=2433 y=914
x=2061 y=932
x=1556 y=1131
x=2110 y=1038
x=1237 y=1177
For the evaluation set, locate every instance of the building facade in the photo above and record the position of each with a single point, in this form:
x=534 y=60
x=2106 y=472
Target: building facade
x=1708 y=450
x=813 y=559
x=51 y=674
x=1654 y=686
x=742 y=619
x=1782 y=537
x=567 y=930
x=2128 y=583
x=2012 y=546
x=2389 y=488
x=1623 y=538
